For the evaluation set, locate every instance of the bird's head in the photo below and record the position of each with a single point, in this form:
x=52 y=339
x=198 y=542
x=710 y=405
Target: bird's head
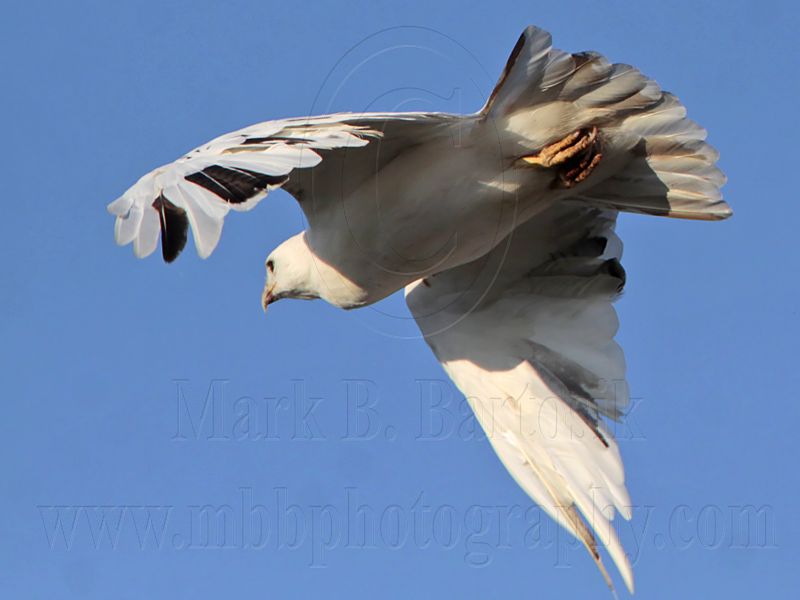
x=291 y=272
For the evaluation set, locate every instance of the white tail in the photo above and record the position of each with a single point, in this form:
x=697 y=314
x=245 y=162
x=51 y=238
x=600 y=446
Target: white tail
x=654 y=159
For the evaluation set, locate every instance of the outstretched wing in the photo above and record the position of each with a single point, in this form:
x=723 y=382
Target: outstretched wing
x=237 y=170
x=526 y=333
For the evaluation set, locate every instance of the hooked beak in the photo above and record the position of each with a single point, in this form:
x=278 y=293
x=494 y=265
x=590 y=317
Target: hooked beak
x=266 y=298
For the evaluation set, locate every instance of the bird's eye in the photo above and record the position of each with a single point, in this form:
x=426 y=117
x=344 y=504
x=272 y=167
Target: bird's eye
x=270 y=266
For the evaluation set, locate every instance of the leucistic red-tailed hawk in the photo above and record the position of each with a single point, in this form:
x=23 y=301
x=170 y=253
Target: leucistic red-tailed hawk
x=504 y=243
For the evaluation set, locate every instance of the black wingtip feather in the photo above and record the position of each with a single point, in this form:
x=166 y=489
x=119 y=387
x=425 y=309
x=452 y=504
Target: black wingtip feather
x=174 y=228
x=234 y=186
x=615 y=269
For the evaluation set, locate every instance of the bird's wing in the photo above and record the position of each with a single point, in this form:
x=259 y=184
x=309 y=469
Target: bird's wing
x=526 y=333
x=237 y=170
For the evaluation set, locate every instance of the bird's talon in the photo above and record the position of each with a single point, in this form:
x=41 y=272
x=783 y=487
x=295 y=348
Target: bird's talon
x=574 y=157
x=580 y=172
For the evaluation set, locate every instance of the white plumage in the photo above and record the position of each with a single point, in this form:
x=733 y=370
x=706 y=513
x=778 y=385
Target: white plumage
x=273 y=149
x=500 y=226
x=530 y=344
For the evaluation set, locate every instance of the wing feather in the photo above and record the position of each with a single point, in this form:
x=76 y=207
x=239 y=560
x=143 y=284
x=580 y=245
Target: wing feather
x=526 y=333
x=237 y=170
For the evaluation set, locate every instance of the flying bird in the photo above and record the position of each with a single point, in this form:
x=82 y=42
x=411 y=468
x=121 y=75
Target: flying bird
x=500 y=225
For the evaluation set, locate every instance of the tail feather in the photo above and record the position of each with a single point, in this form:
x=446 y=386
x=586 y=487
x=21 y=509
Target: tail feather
x=672 y=171
x=655 y=160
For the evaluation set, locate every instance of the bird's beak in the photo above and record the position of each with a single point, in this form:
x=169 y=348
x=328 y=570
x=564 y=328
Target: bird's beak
x=266 y=298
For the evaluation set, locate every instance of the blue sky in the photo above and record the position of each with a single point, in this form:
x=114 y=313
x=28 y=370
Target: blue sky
x=107 y=361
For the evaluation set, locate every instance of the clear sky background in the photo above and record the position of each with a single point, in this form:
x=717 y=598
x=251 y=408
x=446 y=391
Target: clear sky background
x=107 y=361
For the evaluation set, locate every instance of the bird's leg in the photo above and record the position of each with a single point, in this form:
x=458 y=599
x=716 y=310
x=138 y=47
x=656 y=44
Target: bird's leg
x=574 y=157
